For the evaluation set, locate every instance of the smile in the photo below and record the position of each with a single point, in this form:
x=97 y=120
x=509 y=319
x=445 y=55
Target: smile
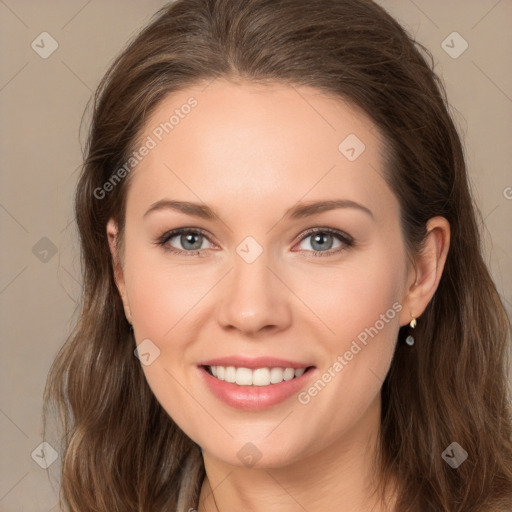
x=257 y=377
x=254 y=384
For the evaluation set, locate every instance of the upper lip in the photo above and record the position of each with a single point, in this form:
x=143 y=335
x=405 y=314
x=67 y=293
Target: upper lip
x=254 y=363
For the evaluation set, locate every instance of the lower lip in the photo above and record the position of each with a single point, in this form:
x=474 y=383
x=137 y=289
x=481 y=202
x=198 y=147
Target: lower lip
x=254 y=398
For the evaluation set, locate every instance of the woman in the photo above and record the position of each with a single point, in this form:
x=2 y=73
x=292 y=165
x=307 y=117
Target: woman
x=244 y=372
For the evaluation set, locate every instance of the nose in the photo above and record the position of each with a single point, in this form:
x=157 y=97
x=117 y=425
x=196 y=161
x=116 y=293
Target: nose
x=254 y=298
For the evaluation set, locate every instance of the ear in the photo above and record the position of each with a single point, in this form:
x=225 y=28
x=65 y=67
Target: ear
x=112 y=233
x=428 y=268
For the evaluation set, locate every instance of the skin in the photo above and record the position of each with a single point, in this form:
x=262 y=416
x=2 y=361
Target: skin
x=251 y=152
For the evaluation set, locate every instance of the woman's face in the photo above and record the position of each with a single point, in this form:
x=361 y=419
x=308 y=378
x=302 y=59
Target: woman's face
x=251 y=288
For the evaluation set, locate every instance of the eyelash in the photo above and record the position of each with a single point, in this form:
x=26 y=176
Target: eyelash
x=347 y=240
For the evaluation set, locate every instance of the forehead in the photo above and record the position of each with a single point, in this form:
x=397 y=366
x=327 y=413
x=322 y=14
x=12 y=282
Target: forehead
x=257 y=145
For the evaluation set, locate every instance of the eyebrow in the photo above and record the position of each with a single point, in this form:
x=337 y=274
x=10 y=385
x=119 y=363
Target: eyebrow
x=295 y=212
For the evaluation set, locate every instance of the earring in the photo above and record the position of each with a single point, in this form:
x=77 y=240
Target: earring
x=410 y=340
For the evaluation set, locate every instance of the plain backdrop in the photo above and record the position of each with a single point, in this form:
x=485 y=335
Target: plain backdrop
x=42 y=101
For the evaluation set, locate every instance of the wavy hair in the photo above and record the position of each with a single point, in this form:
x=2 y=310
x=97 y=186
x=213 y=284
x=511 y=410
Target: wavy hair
x=120 y=450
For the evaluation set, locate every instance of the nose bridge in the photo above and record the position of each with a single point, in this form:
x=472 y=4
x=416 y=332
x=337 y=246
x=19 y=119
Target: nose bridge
x=253 y=297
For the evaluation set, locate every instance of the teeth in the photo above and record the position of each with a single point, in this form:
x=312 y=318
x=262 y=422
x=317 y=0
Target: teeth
x=299 y=371
x=276 y=375
x=243 y=377
x=288 y=374
x=230 y=374
x=258 y=377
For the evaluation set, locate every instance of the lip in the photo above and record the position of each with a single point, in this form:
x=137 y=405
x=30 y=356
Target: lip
x=254 y=363
x=255 y=398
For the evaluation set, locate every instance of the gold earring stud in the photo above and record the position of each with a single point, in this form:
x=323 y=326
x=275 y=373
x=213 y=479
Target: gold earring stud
x=410 y=340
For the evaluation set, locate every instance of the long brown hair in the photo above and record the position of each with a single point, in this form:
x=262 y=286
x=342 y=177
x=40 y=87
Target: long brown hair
x=120 y=450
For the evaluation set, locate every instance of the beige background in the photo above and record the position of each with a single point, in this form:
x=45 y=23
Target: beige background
x=42 y=101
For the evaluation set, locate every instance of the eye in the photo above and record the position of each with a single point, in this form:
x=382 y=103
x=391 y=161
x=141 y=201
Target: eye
x=322 y=240
x=190 y=239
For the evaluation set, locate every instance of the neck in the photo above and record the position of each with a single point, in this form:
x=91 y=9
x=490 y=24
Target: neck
x=342 y=477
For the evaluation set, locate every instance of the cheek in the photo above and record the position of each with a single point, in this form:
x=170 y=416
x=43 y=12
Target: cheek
x=162 y=298
x=161 y=294
x=372 y=319
x=360 y=304
x=354 y=295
